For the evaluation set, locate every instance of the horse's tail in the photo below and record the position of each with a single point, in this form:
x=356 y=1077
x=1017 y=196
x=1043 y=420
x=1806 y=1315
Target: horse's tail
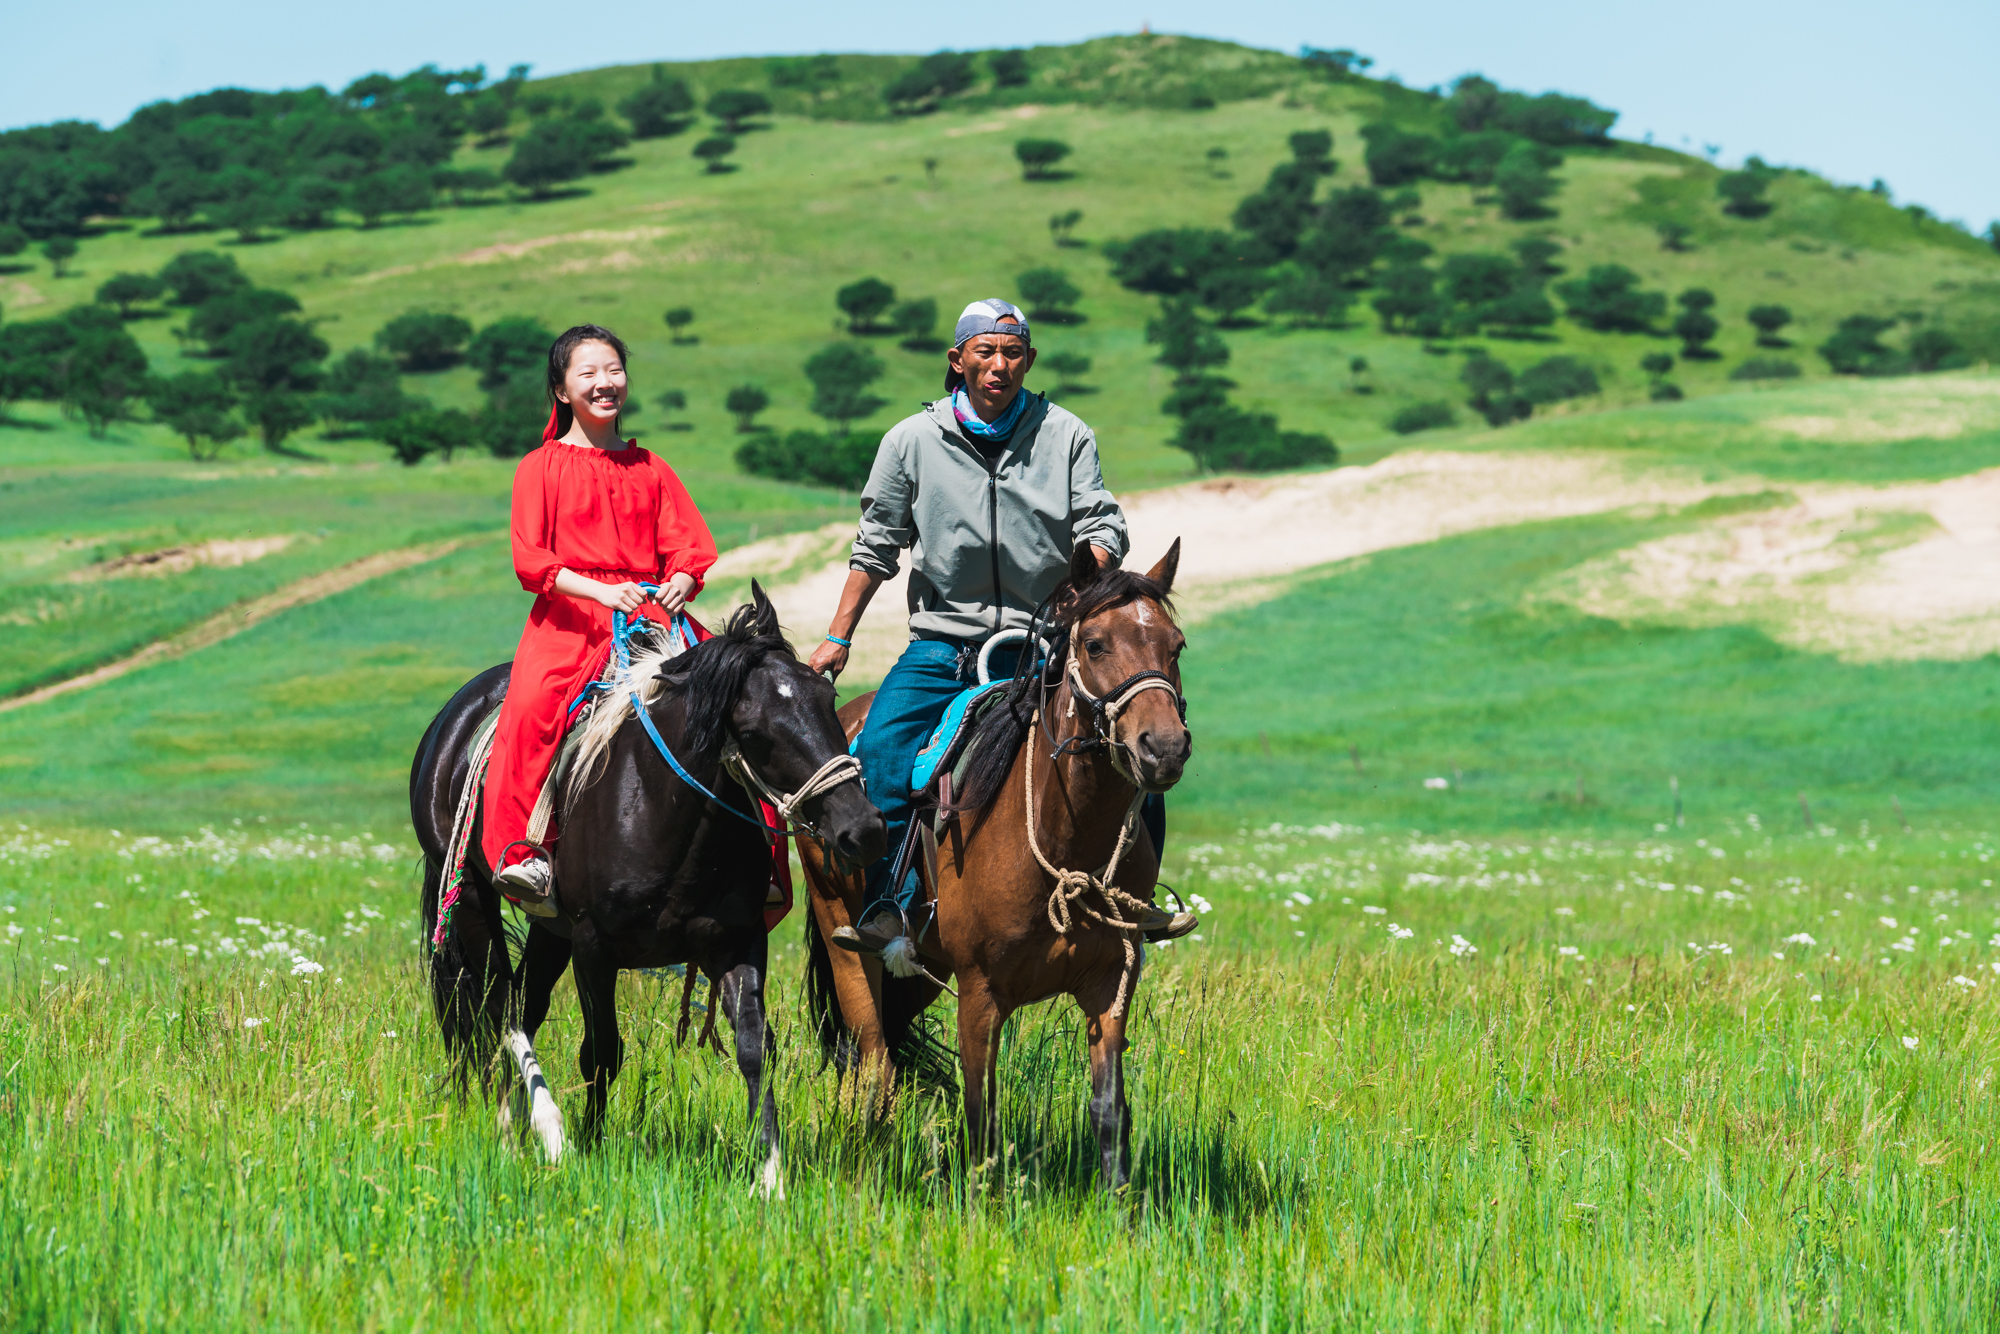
x=836 y=1040
x=916 y=1048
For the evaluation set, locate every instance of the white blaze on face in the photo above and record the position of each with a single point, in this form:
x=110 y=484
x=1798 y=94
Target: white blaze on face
x=785 y=689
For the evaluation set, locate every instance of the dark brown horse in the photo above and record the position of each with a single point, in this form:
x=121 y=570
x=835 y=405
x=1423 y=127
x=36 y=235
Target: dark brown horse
x=650 y=870
x=1023 y=912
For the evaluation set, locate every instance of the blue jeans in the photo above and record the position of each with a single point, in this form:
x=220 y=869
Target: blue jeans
x=906 y=710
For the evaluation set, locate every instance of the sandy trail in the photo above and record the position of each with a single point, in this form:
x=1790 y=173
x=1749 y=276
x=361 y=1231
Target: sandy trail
x=228 y=624
x=1242 y=539
x=1865 y=573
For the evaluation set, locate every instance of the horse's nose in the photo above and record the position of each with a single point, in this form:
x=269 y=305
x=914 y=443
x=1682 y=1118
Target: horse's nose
x=1163 y=757
x=864 y=842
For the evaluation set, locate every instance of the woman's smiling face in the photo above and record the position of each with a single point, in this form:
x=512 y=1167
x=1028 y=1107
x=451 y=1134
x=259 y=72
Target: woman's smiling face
x=594 y=384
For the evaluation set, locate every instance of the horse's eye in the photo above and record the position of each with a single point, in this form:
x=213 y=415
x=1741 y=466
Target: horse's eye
x=1095 y=648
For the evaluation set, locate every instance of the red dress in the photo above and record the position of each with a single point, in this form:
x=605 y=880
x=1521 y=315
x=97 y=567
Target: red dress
x=617 y=516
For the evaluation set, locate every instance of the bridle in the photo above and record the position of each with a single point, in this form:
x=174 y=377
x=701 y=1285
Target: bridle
x=1104 y=711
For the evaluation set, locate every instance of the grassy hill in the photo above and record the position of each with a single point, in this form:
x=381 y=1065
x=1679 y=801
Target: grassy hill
x=822 y=198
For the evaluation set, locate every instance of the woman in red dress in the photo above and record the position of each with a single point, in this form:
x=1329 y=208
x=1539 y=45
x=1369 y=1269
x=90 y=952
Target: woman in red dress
x=595 y=517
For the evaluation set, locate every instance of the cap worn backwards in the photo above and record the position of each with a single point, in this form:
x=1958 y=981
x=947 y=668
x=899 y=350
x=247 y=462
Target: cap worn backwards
x=990 y=316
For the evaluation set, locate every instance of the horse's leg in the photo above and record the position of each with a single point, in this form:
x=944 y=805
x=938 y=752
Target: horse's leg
x=603 y=1050
x=857 y=983
x=743 y=1003
x=979 y=1021
x=1104 y=1024
x=542 y=962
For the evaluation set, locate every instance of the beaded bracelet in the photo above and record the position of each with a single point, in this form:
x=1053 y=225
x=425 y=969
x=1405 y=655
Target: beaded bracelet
x=836 y=639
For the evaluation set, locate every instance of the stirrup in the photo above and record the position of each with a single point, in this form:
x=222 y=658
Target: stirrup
x=529 y=883
x=1159 y=925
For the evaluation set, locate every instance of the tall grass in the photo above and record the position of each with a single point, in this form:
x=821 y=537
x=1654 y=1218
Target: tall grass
x=1399 y=1083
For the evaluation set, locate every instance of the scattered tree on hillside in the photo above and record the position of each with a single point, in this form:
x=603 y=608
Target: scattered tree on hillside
x=1554 y=379
x=1936 y=350
x=1404 y=294
x=1229 y=291
x=1341 y=63
x=917 y=321
x=1523 y=181
x=1308 y=296
x=488 y=117
x=1223 y=436
x=1353 y=229
x=1038 y=157
x=660 y=108
x=1742 y=192
x=1423 y=417
x=808 y=72
x=678 y=319
x=1474 y=103
x=934 y=78
x=415 y=436
x=199 y=408
x=558 y=149
x=713 y=151
x=1494 y=396
x=101 y=372
x=424 y=340
x=1061 y=225
x=744 y=402
x=196 y=275
x=733 y=106
x=363 y=389
x=1695 y=326
x=1607 y=298
x=1050 y=295
x=403 y=189
x=1068 y=368
x=863 y=302
x=216 y=319
x=507 y=347
x=1766 y=368
x=1188 y=344
x=274 y=362
x=1357 y=376
x=840 y=375
x=1010 y=69
x=470 y=181
x=1314 y=147
x=13 y=240
x=1168 y=262
x=307 y=203
x=669 y=401
x=1768 y=320
x=1856 y=347
x=1395 y=156
x=1673 y=235
x=59 y=251
x=126 y=290
x=1657 y=365
x=1538 y=255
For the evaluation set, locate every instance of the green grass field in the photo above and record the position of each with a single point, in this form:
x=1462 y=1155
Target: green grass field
x=1735 y=1082
x=1535 y=1049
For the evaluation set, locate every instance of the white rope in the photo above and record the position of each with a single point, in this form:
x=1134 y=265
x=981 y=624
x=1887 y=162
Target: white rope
x=1124 y=913
x=1114 y=707
x=842 y=768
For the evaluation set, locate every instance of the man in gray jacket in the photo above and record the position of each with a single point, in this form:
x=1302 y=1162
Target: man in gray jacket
x=991 y=488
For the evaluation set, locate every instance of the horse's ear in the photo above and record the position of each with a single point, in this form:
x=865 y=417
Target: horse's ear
x=1163 y=573
x=1082 y=566
x=767 y=615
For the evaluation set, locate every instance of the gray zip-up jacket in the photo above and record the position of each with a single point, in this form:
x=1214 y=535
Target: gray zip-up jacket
x=987 y=541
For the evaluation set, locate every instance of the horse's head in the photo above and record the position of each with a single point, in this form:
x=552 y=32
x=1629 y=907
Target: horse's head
x=783 y=721
x=1124 y=666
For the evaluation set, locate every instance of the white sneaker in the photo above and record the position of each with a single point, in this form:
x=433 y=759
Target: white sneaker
x=528 y=883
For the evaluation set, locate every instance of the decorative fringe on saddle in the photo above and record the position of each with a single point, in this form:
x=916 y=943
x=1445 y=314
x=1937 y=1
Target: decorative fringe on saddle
x=461 y=826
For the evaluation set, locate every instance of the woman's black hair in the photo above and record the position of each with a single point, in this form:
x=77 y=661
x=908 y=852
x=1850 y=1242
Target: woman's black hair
x=561 y=351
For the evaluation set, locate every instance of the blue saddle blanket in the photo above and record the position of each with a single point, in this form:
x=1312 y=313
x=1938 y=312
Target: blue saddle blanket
x=948 y=738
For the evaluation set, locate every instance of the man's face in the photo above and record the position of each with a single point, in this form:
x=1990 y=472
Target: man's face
x=994 y=365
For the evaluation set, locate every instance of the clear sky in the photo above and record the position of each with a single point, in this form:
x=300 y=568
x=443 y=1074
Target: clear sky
x=1906 y=92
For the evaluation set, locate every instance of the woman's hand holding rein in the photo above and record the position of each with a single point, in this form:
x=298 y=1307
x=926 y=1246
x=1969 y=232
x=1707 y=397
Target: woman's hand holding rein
x=626 y=597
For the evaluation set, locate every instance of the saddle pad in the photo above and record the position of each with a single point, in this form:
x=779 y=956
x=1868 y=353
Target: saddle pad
x=960 y=716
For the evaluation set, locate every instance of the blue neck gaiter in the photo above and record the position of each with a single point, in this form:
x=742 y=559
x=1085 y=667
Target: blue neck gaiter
x=1000 y=429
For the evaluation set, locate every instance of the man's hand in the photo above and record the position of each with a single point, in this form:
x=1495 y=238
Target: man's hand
x=829 y=659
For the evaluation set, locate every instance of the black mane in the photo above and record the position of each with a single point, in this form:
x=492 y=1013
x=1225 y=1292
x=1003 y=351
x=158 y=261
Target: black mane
x=997 y=739
x=709 y=677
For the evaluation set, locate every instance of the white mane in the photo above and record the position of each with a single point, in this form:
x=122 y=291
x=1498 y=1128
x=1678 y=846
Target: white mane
x=615 y=703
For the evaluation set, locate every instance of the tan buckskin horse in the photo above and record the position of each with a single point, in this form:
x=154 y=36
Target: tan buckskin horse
x=1023 y=913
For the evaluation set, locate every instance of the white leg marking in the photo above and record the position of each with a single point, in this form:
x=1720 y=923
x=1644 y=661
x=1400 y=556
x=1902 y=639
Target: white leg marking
x=544 y=1117
x=771 y=1179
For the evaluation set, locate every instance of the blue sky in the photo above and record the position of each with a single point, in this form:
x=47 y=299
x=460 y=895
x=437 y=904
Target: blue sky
x=1904 y=92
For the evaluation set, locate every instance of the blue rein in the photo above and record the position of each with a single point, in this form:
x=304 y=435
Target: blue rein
x=622 y=634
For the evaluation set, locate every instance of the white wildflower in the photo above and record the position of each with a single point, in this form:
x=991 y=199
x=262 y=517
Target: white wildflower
x=253 y=1023
x=1800 y=938
x=1461 y=947
x=1437 y=784
x=1371 y=908
x=1909 y=1044
x=1566 y=950
x=1963 y=981
x=304 y=967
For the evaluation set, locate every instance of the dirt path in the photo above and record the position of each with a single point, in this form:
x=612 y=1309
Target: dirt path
x=228 y=624
x=1243 y=540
